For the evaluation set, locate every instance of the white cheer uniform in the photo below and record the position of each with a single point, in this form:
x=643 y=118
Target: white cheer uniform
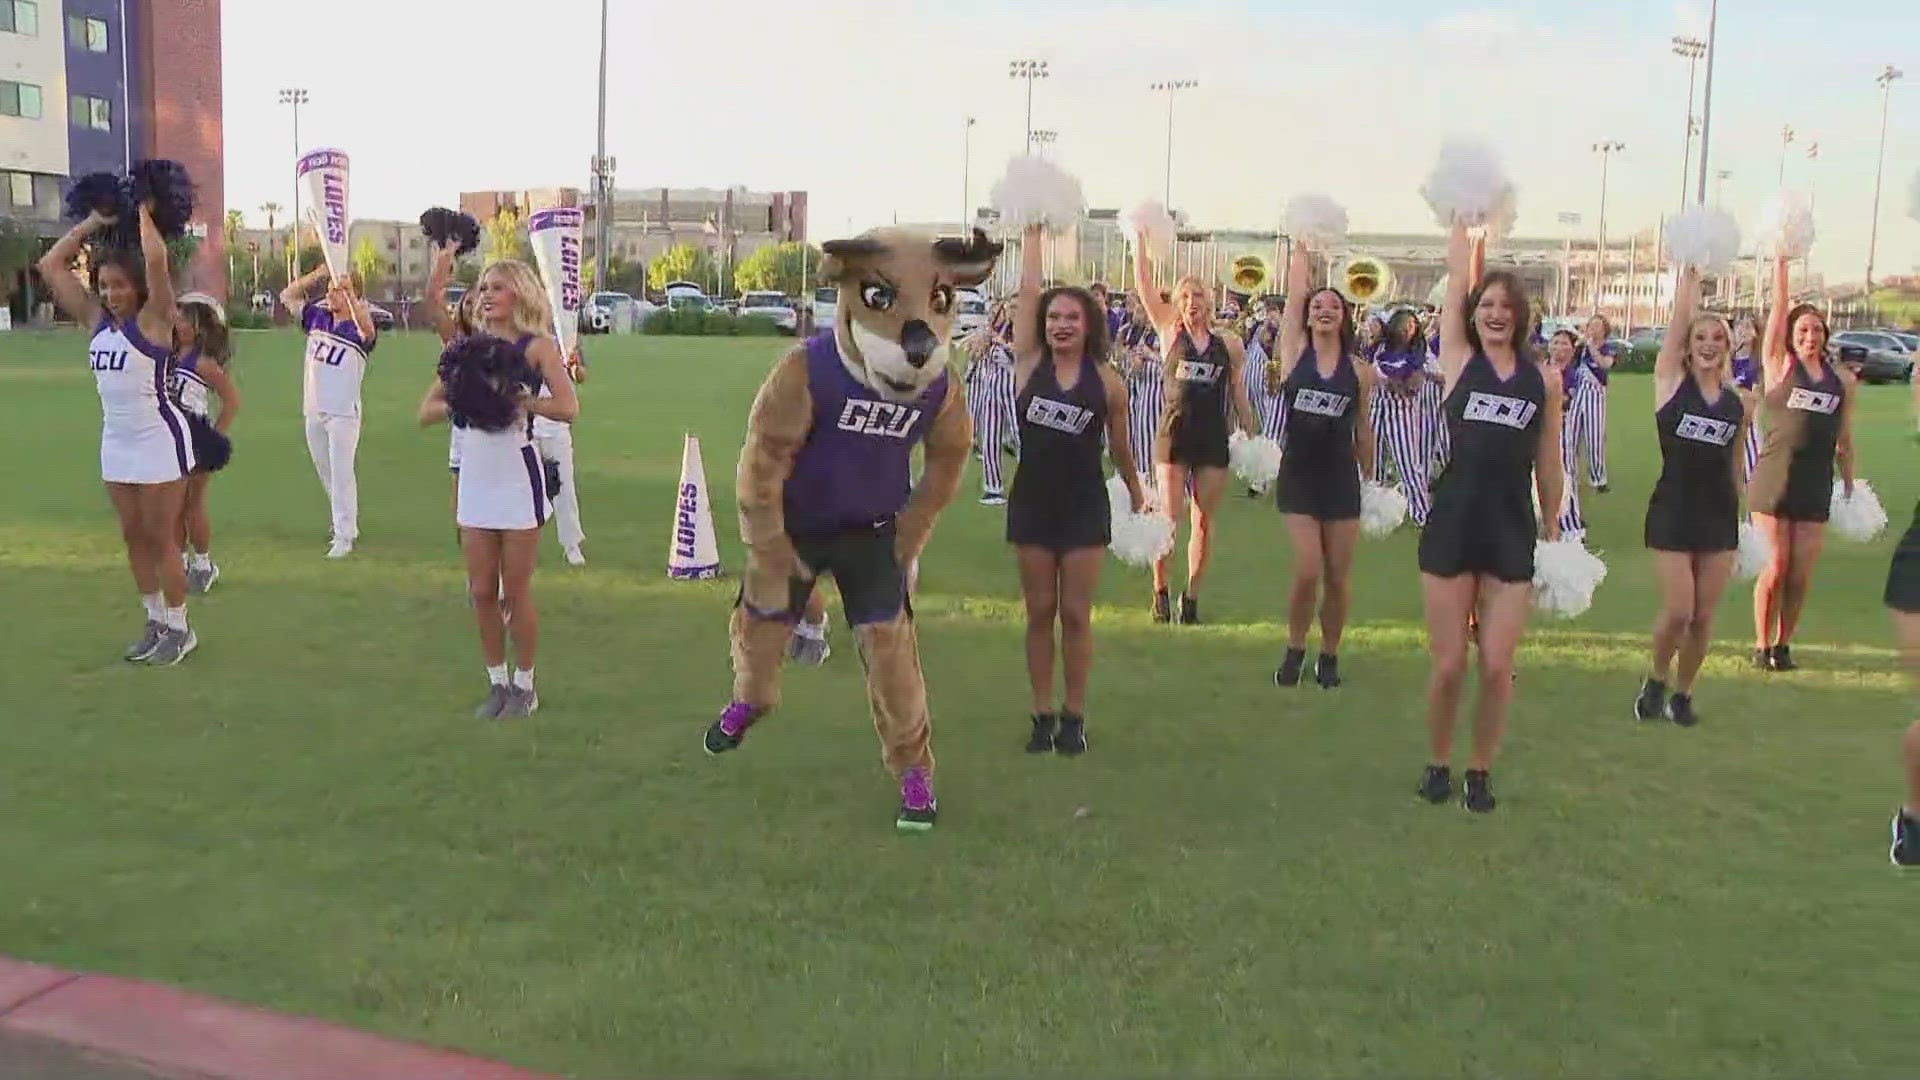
x=554 y=440
x=336 y=364
x=143 y=434
x=503 y=485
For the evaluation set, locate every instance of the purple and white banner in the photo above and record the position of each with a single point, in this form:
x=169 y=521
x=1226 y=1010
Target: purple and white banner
x=322 y=175
x=555 y=236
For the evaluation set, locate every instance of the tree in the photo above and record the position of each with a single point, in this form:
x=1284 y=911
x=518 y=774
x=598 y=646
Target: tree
x=232 y=229
x=778 y=267
x=622 y=277
x=503 y=238
x=368 y=266
x=681 y=262
x=19 y=247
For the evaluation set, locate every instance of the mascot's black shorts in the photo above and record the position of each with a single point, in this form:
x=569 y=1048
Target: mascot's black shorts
x=1903 y=577
x=872 y=583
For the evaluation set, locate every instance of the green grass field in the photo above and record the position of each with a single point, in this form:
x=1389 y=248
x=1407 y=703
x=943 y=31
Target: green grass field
x=305 y=815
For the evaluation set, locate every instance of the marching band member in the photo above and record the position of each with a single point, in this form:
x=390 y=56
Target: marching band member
x=990 y=399
x=1587 y=412
x=340 y=338
x=1806 y=429
x=1139 y=355
x=1432 y=388
x=1746 y=375
x=1693 y=517
x=1401 y=430
x=202 y=348
x=1562 y=363
x=1263 y=391
x=1203 y=384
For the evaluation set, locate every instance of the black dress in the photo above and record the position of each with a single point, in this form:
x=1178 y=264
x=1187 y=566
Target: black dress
x=1793 y=476
x=1059 y=496
x=1695 y=505
x=1319 y=475
x=1903 y=577
x=1482 y=518
x=1193 y=421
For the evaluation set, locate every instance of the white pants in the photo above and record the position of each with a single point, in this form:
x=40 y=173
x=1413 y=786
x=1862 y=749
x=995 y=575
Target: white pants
x=555 y=443
x=333 y=441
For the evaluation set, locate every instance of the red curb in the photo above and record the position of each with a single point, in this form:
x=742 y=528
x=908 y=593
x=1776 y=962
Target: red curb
x=21 y=982
x=176 y=1031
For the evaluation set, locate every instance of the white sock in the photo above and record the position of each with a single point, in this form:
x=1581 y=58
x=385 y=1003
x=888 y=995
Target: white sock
x=155 y=606
x=202 y=561
x=497 y=674
x=175 y=618
x=523 y=678
x=812 y=629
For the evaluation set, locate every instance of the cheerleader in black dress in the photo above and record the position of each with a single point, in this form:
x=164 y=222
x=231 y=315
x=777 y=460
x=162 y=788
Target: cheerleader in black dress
x=1903 y=599
x=1476 y=551
x=1693 y=517
x=1205 y=400
x=1806 y=409
x=1329 y=445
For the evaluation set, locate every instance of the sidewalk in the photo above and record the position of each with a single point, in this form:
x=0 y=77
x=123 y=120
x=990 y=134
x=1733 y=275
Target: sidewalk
x=36 y=1059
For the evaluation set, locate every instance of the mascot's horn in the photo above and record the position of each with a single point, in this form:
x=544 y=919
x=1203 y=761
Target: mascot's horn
x=972 y=257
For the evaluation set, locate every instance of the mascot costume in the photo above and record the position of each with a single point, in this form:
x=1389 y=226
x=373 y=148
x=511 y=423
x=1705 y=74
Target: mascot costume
x=825 y=484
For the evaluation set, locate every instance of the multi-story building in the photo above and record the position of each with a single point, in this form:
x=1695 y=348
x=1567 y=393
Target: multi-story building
x=94 y=85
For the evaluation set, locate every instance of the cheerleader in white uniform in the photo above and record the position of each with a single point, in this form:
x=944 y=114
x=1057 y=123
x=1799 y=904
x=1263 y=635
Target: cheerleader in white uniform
x=449 y=325
x=145 y=451
x=503 y=489
x=203 y=349
x=554 y=440
x=340 y=337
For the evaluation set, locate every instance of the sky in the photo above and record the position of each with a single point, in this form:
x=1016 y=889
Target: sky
x=863 y=104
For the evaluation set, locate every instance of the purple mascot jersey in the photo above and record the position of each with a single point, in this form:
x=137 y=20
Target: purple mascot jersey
x=854 y=470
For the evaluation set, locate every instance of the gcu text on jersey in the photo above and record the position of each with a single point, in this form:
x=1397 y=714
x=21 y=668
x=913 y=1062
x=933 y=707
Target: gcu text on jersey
x=1812 y=400
x=1198 y=371
x=1511 y=412
x=1321 y=403
x=884 y=418
x=1705 y=429
x=1058 y=415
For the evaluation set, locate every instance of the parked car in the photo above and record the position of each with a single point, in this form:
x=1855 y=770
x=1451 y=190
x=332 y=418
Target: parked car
x=969 y=312
x=1880 y=358
x=826 y=305
x=771 y=305
x=611 y=312
x=683 y=301
x=382 y=318
x=1911 y=341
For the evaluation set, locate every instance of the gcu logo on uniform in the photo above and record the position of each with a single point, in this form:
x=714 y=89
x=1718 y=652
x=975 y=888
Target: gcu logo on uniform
x=1058 y=415
x=1705 y=429
x=1510 y=412
x=108 y=359
x=884 y=418
x=1320 y=402
x=1812 y=400
x=1198 y=371
x=326 y=351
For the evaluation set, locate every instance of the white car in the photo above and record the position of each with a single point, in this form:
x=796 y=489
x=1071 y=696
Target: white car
x=826 y=305
x=771 y=305
x=969 y=312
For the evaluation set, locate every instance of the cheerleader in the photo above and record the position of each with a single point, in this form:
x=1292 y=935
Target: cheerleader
x=202 y=349
x=1587 y=412
x=1476 y=552
x=1329 y=446
x=990 y=400
x=1693 y=518
x=450 y=325
x=1806 y=429
x=554 y=440
x=1902 y=597
x=1202 y=381
x=145 y=452
x=1402 y=432
x=1058 y=522
x=340 y=337
x=1746 y=375
x=1562 y=364
x=503 y=493
x=1145 y=375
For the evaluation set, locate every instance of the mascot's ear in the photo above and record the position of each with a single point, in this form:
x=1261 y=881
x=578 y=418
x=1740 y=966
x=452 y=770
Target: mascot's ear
x=839 y=255
x=970 y=258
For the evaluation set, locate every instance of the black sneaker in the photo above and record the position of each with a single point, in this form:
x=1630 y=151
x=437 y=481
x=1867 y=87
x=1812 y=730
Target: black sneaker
x=1041 y=740
x=727 y=732
x=1436 y=784
x=1763 y=659
x=1073 y=735
x=1680 y=710
x=1290 y=665
x=1326 y=671
x=1783 y=658
x=1189 y=611
x=1252 y=494
x=1906 y=839
x=1652 y=702
x=1601 y=489
x=1479 y=797
x=1162 y=606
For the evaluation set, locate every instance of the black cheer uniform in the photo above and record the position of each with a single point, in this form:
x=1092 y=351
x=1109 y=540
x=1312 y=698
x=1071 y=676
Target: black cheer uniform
x=1903 y=577
x=1482 y=518
x=1695 y=505
x=1059 y=497
x=1193 y=419
x=1793 y=476
x=1319 y=475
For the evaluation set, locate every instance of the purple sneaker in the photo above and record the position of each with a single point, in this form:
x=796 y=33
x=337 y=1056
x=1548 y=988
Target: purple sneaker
x=917 y=804
x=726 y=732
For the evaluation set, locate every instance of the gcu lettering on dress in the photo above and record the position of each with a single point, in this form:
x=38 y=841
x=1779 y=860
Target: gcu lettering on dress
x=1705 y=429
x=686 y=523
x=1510 y=412
x=323 y=349
x=1320 y=402
x=1198 y=371
x=108 y=359
x=884 y=418
x=1812 y=400
x=1058 y=415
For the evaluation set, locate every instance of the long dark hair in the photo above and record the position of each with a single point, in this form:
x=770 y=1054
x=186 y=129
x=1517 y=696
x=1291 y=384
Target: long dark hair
x=129 y=262
x=1347 y=333
x=1098 y=347
x=1826 y=332
x=1516 y=296
x=1408 y=336
x=210 y=331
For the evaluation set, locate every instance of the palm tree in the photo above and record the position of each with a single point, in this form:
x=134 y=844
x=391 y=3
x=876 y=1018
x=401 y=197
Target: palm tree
x=270 y=209
x=231 y=231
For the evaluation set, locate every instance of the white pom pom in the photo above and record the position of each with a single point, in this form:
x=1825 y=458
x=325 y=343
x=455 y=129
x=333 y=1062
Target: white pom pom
x=1256 y=460
x=1037 y=192
x=1469 y=185
x=1382 y=509
x=1138 y=539
x=1756 y=551
x=1316 y=220
x=1565 y=574
x=1859 y=518
x=1786 y=226
x=1149 y=223
x=1704 y=238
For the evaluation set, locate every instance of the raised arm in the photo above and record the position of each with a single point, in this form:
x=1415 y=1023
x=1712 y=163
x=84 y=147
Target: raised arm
x=949 y=444
x=1119 y=447
x=1027 y=345
x=56 y=269
x=564 y=405
x=1454 y=347
x=1671 y=365
x=438 y=276
x=433 y=407
x=294 y=296
x=1293 y=322
x=158 y=313
x=363 y=321
x=1549 y=472
x=1160 y=313
x=1776 y=351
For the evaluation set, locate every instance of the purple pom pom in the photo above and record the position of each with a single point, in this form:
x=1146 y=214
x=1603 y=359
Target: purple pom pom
x=166 y=189
x=442 y=225
x=100 y=191
x=483 y=376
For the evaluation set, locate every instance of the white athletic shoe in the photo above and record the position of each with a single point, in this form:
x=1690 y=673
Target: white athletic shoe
x=575 y=558
x=340 y=549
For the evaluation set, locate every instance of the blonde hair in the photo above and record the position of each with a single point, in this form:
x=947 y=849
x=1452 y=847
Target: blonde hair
x=1726 y=359
x=530 y=314
x=1192 y=283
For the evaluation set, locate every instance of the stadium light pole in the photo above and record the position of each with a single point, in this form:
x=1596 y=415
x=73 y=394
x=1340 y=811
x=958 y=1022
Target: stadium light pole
x=1887 y=77
x=1043 y=141
x=1786 y=140
x=602 y=171
x=1706 y=100
x=1172 y=88
x=295 y=97
x=966 y=176
x=1690 y=50
x=1028 y=70
x=1606 y=150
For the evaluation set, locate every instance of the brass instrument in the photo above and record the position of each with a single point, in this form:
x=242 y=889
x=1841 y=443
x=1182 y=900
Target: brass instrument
x=1251 y=275
x=1366 y=279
